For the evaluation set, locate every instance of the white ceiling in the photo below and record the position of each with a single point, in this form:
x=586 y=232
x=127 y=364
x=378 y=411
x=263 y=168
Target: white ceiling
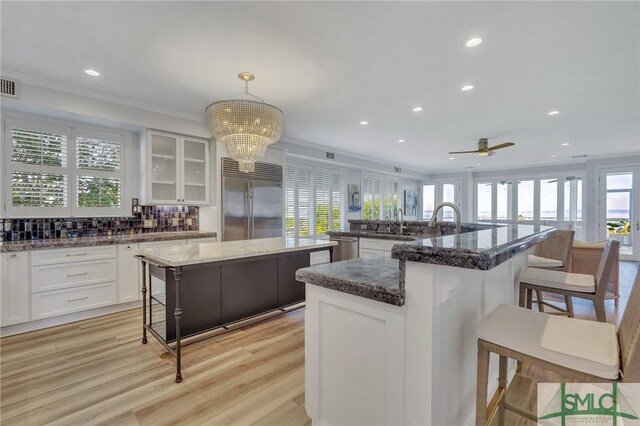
x=329 y=65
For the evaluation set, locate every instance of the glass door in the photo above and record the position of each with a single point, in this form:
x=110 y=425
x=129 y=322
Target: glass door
x=164 y=168
x=448 y=192
x=195 y=173
x=620 y=208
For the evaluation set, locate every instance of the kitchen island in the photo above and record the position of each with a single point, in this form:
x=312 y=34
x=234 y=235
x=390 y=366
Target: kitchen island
x=392 y=340
x=208 y=286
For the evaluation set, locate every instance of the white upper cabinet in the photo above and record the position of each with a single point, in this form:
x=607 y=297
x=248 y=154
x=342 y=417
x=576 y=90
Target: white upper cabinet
x=177 y=169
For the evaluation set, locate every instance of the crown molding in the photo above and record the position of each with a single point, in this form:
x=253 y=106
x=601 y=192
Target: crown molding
x=100 y=96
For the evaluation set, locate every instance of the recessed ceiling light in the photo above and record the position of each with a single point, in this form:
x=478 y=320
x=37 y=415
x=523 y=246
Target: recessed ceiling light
x=401 y=141
x=553 y=156
x=364 y=122
x=451 y=158
x=477 y=164
x=474 y=42
x=554 y=112
x=466 y=88
x=417 y=109
x=92 y=73
x=566 y=144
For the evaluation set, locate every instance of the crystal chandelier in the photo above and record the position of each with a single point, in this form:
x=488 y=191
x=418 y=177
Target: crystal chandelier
x=246 y=126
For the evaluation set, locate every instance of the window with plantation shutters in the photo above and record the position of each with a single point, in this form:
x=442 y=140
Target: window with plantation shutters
x=60 y=171
x=315 y=200
x=380 y=198
x=98 y=171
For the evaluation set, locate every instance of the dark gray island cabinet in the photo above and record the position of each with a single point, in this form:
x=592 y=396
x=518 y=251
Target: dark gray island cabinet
x=208 y=286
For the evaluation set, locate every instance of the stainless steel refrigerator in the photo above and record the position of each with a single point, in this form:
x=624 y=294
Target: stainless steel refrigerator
x=252 y=204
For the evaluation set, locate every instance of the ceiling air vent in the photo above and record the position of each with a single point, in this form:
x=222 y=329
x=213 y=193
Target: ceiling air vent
x=398 y=169
x=579 y=156
x=10 y=88
x=331 y=155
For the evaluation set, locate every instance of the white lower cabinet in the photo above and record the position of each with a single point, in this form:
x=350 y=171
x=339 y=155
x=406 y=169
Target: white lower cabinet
x=47 y=283
x=60 y=302
x=128 y=274
x=14 y=288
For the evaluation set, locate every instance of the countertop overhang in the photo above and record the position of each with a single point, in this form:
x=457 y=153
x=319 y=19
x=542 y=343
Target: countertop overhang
x=203 y=252
x=483 y=249
x=55 y=243
x=383 y=279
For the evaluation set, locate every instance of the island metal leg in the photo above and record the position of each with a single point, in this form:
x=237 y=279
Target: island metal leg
x=177 y=273
x=144 y=302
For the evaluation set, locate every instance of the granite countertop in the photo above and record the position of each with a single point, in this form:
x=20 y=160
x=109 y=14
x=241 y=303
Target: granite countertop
x=375 y=235
x=376 y=278
x=202 y=252
x=483 y=249
x=100 y=241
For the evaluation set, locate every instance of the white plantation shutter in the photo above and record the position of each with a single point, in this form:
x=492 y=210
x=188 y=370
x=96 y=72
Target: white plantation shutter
x=380 y=197
x=338 y=200
x=99 y=171
x=323 y=204
x=305 y=219
x=315 y=200
x=37 y=169
x=60 y=171
x=290 y=201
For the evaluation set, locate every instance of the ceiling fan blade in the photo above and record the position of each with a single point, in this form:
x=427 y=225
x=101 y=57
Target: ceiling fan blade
x=502 y=145
x=464 y=152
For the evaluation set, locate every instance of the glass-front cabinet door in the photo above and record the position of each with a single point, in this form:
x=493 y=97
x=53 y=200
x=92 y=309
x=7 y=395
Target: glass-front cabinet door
x=177 y=170
x=195 y=173
x=163 y=157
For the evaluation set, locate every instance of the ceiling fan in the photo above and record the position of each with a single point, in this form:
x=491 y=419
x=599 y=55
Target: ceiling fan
x=484 y=149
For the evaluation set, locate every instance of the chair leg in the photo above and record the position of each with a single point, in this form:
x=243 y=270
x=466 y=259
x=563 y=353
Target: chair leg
x=529 y=298
x=539 y=297
x=482 y=385
x=601 y=315
x=502 y=384
x=569 y=304
x=522 y=296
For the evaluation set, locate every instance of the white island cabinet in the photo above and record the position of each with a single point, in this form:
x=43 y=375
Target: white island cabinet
x=396 y=344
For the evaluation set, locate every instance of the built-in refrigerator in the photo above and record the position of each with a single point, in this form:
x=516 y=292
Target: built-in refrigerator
x=252 y=204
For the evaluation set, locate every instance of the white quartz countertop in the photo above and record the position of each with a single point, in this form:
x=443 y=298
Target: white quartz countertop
x=203 y=252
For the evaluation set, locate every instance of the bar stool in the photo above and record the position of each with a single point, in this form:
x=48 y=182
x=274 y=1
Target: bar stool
x=554 y=252
x=586 y=351
x=569 y=285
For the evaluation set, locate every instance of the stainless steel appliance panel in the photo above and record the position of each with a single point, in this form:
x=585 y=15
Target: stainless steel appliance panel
x=266 y=209
x=236 y=211
x=347 y=248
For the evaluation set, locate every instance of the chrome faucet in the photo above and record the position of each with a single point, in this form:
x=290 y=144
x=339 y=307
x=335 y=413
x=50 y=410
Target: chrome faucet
x=432 y=222
x=401 y=219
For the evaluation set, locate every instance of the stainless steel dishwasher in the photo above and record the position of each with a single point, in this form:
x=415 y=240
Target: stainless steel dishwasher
x=347 y=248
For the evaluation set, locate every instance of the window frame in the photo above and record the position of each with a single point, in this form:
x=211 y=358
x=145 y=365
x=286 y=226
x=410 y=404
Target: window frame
x=537 y=178
x=71 y=131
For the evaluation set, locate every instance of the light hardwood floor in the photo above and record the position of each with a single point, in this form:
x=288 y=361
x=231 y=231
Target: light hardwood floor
x=96 y=372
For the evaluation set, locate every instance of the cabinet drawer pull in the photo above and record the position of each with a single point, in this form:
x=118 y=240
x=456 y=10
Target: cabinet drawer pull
x=78 y=299
x=77 y=275
x=76 y=254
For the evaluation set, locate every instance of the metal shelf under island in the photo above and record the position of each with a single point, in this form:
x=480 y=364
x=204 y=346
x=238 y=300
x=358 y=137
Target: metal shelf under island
x=206 y=289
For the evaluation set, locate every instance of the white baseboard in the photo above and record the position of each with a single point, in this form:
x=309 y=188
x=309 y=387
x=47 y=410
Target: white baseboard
x=26 y=327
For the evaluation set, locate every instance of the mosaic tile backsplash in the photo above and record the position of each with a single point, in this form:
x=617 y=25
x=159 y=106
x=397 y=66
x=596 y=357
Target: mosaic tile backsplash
x=148 y=219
